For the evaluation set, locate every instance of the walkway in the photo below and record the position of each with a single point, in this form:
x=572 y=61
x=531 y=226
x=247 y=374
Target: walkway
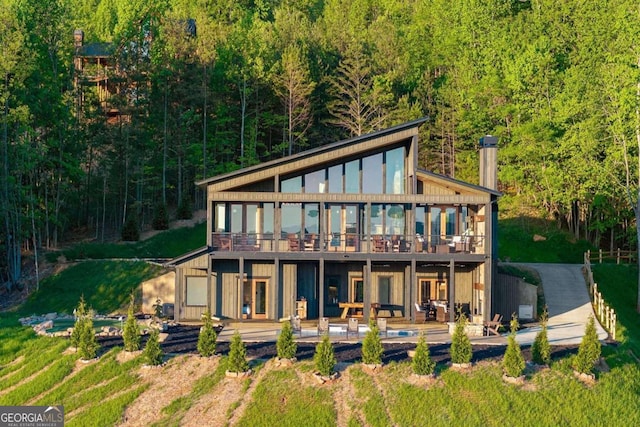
x=567 y=299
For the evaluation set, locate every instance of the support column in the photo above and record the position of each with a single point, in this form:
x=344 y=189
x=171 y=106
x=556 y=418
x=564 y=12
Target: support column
x=452 y=291
x=276 y=289
x=411 y=294
x=321 y=288
x=210 y=292
x=240 y=287
x=366 y=298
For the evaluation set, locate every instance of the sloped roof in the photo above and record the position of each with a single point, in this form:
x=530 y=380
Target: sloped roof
x=313 y=152
x=189 y=256
x=455 y=182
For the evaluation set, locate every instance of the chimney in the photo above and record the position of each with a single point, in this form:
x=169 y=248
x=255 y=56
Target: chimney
x=78 y=39
x=489 y=162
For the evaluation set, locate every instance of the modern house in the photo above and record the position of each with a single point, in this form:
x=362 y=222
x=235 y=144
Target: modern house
x=352 y=228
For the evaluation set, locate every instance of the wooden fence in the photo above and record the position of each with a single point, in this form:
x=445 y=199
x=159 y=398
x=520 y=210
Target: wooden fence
x=608 y=256
x=606 y=315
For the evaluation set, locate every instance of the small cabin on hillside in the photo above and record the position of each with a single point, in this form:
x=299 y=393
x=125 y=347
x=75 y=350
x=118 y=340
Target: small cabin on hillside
x=352 y=228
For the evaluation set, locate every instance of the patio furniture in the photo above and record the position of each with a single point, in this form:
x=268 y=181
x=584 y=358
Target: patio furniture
x=421 y=314
x=352 y=327
x=493 y=326
x=310 y=242
x=294 y=242
x=379 y=244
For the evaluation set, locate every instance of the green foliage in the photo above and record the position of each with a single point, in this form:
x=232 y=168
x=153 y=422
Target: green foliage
x=540 y=348
x=83 y=336
x=131 y=332
x=131 y=230
x=372 y=349
x=422 y=362
x=207 y=337
x=167 y=244
x=152 y=353
x=324 y=357
x=237 y=360
x=88 y=344
x=80 y=314
x=513 y=362
x=589 y=350
x=184 y=208
x=286 y=344
x=516 y=243
x=160 y=218
x=460 y=350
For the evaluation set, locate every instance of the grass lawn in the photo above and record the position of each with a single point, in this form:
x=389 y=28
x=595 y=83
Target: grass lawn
x=106 y=286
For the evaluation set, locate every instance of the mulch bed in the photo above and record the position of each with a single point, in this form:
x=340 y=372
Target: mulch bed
x=183 y=339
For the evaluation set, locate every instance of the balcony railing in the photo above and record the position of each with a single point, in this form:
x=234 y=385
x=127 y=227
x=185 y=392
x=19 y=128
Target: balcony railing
x=347 y=242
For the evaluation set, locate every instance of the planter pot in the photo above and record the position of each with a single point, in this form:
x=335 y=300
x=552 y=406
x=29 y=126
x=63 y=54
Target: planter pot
x=513 y=380
x=285 y=362
x=322 y=379
x=372 y=367
x=585 y=378
x=431 y=376
x=230 y=374
x=461 y=366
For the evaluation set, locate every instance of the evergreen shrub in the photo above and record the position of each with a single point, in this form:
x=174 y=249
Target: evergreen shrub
x=237 y=361
x=286 y=345
x=461 y=350
x=372 y=349
x=513 y=362
x=589 y=350
x=324 y=357
x=207 y=338
x=152 y=353
x=422 y=363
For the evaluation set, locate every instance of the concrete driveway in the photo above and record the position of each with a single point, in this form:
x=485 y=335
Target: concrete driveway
x=567 y=299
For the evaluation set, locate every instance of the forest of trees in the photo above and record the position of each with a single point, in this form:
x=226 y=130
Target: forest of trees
x=557 y=81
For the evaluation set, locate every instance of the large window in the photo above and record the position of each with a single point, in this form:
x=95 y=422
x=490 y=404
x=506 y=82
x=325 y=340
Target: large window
x=291 y=218
x=394 y=178
x=384 y=289
x=371 y=174
x=196 y=288
x=335 y=179
x=291 y=185
x=352 y=177
x=314 y=182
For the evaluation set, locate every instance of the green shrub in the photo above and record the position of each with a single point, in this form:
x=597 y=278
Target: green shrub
x=88 y=345
x=324 y=357
x=80 y=314
x=422 y=363
x=131 y=332
x=513 y=362
x=83 y=337
x=237 y=355
x=589 y=350
x=372 y=350
x=130 y=231
x=152 y=353
x=461 y=350
x=286 y=345
x=161 y=218
x=540 y=349
x=207 y=337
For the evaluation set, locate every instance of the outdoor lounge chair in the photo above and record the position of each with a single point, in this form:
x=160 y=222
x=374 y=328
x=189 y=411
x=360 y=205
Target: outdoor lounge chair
x=493 y=326
x=421 y=314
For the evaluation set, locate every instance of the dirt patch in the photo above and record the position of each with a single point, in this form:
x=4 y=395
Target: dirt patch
x=166 y=384
x=198 y=217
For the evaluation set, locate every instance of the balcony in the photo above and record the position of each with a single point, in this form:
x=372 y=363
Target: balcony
x=347 y=242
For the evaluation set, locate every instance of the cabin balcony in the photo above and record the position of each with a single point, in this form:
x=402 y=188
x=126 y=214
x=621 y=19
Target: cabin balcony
x=347 y=243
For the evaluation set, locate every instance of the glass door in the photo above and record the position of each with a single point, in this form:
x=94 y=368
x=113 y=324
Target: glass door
x=254 y=299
